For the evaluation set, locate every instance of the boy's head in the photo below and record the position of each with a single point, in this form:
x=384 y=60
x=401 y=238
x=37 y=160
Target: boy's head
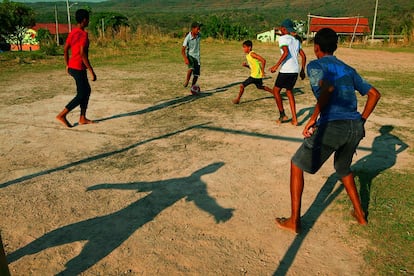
x=327 y=40
x=81 y=15
x=195 y=27
x=247 y=46
x=287 y=26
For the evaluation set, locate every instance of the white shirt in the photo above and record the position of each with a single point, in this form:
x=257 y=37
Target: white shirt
x=193 y=45
x=290 y=64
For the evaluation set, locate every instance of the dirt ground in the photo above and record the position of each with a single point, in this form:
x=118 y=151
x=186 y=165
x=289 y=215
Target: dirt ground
x=171 y=184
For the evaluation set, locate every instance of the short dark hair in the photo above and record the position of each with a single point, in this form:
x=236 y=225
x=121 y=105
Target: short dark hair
x=248 y=43
x=327 y=39
x=81 y=14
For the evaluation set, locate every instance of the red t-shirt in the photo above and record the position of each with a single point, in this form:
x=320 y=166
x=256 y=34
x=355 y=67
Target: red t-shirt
x=75 y=40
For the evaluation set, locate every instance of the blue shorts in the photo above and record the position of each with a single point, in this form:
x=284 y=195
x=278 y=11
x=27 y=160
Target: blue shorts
x=340 y=137
x=194 y=65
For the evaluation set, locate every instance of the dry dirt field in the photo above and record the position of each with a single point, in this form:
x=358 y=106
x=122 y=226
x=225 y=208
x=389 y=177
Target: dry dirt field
x=171 y=184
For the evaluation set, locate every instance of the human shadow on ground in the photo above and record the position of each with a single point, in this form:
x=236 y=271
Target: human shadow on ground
x=93 y=158
x=308 y=111
x=385 y=148
x=296 y=92
x=383 y=156
x=169 y=103
x=106 y=233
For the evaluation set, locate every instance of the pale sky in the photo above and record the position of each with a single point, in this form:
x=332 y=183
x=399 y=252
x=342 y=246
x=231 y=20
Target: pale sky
x=72 y=1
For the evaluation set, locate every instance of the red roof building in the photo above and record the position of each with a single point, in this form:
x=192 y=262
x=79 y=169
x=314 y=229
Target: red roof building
x=341 y=25
x=62 y=28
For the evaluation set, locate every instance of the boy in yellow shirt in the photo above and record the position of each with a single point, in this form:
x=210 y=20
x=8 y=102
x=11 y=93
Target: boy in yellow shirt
x=257 y=64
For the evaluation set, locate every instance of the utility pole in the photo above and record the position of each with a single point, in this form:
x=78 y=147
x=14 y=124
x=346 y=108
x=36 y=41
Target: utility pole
x=375 y=20
x=68 y=10
x=57 y=26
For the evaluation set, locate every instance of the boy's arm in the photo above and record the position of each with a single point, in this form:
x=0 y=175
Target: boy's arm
x=184 y=54
x=373 y=98
x=66 y=55
x=302 y=70
x=262 y=62
x=326 y=90
x=281 y=59
x=85 y=60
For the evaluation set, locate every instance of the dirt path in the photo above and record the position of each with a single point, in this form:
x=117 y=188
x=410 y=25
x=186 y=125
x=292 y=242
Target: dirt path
x=168 y=184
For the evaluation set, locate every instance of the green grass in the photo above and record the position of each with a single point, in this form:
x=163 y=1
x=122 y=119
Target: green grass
x=391 y=224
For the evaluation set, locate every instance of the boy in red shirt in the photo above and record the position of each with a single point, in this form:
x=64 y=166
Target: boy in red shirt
x=76 y=66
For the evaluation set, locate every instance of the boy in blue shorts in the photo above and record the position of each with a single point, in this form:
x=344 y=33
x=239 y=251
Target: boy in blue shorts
x=191 y=53
x=257 y=64
x=335 y=127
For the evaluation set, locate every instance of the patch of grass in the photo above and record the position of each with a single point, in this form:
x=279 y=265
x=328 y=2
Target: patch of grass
x=391 y=224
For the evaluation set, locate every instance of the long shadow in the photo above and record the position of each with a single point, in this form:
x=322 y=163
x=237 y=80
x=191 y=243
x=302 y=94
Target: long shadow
x=385 y=148
x=172 y=102
x=260 y=135
x=93 y=158
x=296 y=92
x=383 y=157
x=104 y=234
x=308 y=111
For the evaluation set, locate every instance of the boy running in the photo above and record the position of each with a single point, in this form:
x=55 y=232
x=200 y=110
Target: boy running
x=257 y=66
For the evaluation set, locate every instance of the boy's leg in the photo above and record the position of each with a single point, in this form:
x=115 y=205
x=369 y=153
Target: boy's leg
x=292 y=104
x=86 y=92
x=82 y=119
x=187 y=78
x=279 y=104
x=349 y=184
x=241 y=91
x=268 y=89
x=195 y=79
x=61 y=117
x=293 y=223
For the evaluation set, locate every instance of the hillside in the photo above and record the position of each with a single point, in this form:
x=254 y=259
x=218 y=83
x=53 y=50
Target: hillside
x=172 y=15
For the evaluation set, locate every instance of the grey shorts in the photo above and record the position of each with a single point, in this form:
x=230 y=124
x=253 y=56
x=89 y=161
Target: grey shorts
x=194 y=64
x=339 y=137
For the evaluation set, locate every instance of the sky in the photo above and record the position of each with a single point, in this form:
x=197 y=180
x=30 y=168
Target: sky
x=33 y=1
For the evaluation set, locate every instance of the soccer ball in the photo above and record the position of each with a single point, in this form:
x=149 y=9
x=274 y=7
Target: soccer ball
x=195 y=89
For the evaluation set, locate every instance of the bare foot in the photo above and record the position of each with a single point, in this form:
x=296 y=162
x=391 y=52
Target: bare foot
x=64 y=121
x=86 y=122
x=360 y=219
x=294 y=122
x=236 y=101
x=282 y=119
x=288 y=224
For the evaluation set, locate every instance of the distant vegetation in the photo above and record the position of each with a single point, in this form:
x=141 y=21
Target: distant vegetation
x=245 y=18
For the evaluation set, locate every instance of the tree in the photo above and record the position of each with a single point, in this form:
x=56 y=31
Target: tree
x=15 y=18
x=100 y=22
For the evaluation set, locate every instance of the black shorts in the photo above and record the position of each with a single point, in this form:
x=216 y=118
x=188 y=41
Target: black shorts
x=251 y=80
x=286 y=80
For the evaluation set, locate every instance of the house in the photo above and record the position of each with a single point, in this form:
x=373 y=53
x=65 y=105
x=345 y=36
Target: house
x=269 y=36
x=52 y=28
x=351 y=26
